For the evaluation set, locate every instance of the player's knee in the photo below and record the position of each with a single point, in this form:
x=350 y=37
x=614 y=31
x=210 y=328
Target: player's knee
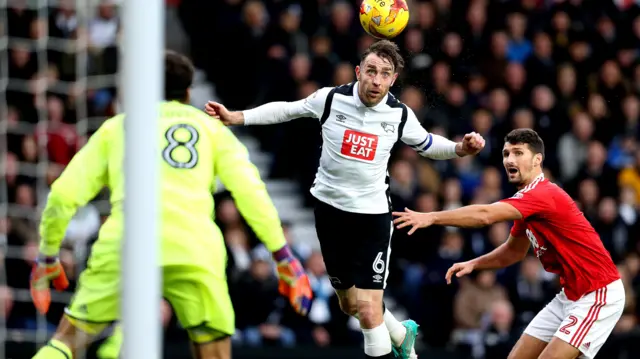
x=369 y=313
x=348 y=306
x=347 y=299
x=369 y=304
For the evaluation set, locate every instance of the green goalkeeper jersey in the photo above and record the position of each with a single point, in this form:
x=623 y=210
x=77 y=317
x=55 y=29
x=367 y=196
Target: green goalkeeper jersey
x=194 y=150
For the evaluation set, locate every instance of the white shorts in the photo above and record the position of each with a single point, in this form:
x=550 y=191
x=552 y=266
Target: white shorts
x=585 y=323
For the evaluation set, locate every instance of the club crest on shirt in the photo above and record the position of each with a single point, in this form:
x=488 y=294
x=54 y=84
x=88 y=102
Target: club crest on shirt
x=388 y=128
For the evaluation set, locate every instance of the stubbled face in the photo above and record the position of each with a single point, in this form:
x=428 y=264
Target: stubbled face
x=521 y=164
x=376 y=75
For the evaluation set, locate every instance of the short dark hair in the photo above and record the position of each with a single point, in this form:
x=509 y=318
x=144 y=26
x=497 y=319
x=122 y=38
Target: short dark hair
x=386 y=50
x=178 y=76
x=528 y=137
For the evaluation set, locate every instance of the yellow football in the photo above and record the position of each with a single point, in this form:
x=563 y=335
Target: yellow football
x=384 y=19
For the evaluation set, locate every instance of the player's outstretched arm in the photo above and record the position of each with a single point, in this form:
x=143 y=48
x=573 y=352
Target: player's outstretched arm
x=249 y=192
x=80 y=182
x=242 y=179
x=509 y=253
x=435 y=146
x=469 y=216
x=272 y=112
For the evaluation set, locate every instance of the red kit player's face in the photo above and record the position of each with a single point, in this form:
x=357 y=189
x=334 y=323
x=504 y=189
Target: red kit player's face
x=521 y=164
x=375 y=75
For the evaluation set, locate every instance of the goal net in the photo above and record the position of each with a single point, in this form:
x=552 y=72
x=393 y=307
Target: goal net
x=59 y=61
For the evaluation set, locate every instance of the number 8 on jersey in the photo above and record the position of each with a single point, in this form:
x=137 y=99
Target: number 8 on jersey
x=180 y=151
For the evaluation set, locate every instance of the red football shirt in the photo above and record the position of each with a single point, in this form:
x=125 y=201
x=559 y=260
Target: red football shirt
x=562 y=238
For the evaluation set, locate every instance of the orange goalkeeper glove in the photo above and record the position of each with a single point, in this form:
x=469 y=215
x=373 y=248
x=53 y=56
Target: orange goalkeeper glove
x=293 y=281
x=46 y=270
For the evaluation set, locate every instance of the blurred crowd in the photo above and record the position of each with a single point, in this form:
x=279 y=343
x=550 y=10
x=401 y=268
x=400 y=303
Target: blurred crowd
x=61 y=66
x=568 y=68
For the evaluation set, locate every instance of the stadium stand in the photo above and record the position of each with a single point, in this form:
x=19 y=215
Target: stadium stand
x=568 y=68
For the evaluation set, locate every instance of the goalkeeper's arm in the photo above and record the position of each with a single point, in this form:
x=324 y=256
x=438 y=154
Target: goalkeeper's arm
x=249 y=192
x=81 y=181
x=242 y=179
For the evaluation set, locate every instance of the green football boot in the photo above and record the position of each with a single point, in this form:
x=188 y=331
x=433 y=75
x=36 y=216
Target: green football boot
x=405 y=350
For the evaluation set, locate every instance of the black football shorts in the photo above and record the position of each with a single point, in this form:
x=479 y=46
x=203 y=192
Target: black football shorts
x=355 y=246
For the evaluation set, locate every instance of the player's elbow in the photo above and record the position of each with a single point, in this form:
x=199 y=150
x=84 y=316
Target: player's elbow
x=485 y=218
x=516 y=253
x=523 y=253
x=485 y=221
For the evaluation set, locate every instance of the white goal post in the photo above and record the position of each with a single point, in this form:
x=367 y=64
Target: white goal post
x=143 y=60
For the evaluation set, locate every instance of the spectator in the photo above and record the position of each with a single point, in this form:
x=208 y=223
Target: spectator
x=519 y=48
x=483 y=289
x=572 y=148
x=597 y=169
x=321 y=313
x=472 y=305
x=530 y=292
x=630 y=176
x=260 y=320
x=499 y=338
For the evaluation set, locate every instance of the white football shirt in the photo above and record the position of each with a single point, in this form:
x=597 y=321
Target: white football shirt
x=357 y=142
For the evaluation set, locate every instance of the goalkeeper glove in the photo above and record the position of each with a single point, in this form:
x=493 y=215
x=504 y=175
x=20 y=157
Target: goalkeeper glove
x=46 y=270
x=293 y=281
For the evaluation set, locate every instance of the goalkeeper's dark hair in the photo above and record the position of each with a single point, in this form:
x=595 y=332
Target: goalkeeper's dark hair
x=178 y=76
x=387 y=50
x=526 y=136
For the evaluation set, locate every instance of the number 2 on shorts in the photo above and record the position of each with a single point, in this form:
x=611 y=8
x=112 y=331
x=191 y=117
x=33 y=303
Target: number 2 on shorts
x=565 y=328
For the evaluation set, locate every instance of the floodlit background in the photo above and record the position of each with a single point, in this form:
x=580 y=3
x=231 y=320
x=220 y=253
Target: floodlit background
x=569 y=69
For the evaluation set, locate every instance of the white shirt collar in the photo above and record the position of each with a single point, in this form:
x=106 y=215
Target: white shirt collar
x=359 y=103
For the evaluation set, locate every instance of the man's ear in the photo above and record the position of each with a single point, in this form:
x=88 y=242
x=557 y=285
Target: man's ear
x=538 y=159
x=357 y=72
x=395 y=77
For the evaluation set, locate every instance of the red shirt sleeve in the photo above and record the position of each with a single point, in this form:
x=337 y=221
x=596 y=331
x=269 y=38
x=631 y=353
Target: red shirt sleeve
x=518 y=229
x=529 y=203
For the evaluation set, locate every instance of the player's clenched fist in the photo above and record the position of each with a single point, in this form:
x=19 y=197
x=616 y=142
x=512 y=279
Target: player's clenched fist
x=472 y=143
x=460 y=269
x=219 y=111
x=414 y=219
x=293 y=281
x=46 y=271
